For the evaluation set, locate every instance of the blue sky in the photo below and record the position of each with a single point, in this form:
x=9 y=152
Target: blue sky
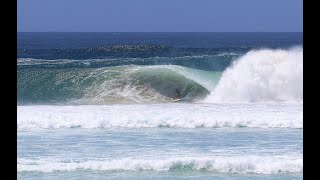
x=160 y=15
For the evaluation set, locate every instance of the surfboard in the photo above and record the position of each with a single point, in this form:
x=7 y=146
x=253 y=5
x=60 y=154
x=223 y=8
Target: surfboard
x=176 y=100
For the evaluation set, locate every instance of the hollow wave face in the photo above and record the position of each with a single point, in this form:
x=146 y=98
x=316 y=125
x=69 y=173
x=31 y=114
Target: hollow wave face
x=262 y=75
x=109 y=85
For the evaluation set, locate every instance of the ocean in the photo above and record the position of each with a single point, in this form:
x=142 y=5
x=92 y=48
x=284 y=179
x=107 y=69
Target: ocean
x=100 y=106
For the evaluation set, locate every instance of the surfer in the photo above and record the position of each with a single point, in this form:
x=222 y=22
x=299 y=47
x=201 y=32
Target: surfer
x=178 y=91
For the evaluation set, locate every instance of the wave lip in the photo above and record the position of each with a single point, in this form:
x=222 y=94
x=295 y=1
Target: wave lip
x=262 y=75
x=230 y=164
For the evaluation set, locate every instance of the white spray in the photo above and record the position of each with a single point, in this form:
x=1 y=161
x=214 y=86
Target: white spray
x=262 y=75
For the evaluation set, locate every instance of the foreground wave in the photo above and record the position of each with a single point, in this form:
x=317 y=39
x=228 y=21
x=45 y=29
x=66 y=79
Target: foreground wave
x=187 y=115
x=253 y=164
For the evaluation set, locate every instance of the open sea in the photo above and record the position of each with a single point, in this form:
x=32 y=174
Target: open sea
x=100 y=106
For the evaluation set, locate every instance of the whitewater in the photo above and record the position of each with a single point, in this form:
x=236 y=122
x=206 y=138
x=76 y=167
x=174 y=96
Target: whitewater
x=203 y=115
x=108 y=112
x=263 y=75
